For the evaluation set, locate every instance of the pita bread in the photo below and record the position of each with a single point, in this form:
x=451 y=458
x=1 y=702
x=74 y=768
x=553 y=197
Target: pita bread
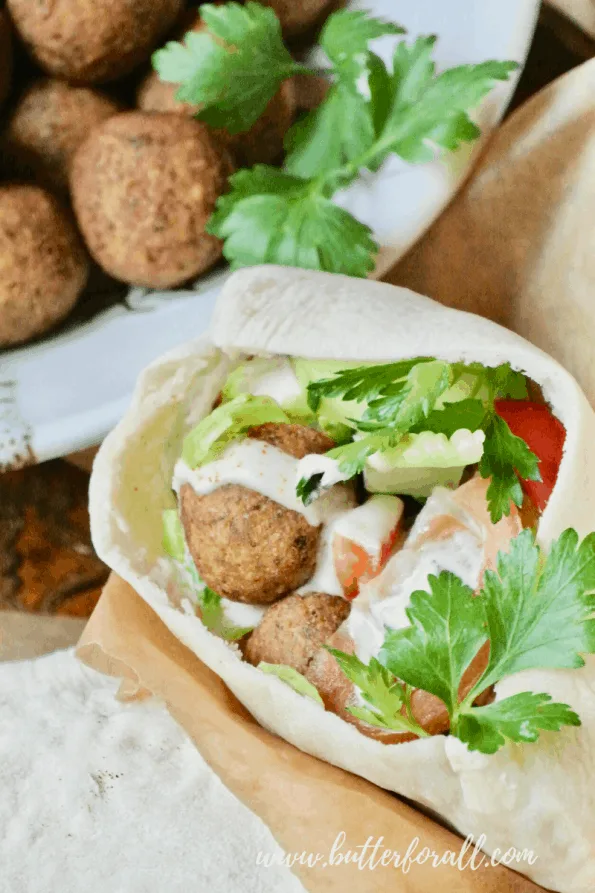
x=536 y=797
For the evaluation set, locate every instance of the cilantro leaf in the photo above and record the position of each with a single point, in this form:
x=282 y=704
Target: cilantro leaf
x=385 y=694
x=362 y=383
x=518 y=718
x=292 y=678
x=429 y=112
x=538 y=612
x=272 y=217
x=307 y=488
x=405 y=404
x=232 y=68
x=326 y=138
x=213 y=617
x=504 y=457
x=469 y=413
x=352 y=456
x=447 y=630
x=345 y=38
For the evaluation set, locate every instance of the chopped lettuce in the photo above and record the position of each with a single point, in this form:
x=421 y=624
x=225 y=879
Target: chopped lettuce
x=226 y=423
x=270 y=377
x=292 y=678
x=173 y=535
x=335 y=416
x=423 y=461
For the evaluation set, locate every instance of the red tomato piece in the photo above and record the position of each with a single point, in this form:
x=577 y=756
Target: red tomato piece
x=544 y=434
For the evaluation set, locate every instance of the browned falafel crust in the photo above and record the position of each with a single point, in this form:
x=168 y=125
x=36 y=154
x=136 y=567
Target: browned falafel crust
x=78 y=41
x=293 y=629
x=43 y=265
x=48 y=124
x=143 y=188
x=246 y=546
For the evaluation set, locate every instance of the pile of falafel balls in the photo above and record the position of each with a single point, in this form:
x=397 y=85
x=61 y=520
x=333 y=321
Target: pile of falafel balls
x=99 y=164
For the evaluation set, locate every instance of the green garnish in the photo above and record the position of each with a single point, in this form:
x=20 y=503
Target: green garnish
x=232 y=69
x=384 y=693
x=307 y=488
x=292 y=678
x=424 y=394
x=227 y=423
x=535 y=611
x=213 y=617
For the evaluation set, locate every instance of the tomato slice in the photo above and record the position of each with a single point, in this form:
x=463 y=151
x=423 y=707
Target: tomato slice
x=376 y=525
x=544 y=434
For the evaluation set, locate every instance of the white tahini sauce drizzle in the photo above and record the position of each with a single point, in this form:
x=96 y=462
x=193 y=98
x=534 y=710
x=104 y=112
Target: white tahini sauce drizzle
x=240 y=614
x=280 y=383
x=383 y=601
x=267 y=470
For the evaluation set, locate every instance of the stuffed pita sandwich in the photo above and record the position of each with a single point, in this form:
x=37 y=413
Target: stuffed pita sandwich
x=371 y=515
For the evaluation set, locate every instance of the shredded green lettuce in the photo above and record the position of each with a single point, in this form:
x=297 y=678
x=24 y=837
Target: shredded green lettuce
x=227 y=423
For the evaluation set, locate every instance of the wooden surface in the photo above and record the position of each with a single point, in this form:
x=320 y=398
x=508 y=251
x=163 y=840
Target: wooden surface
x=47 y=562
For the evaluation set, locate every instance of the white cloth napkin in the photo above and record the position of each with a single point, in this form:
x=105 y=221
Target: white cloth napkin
x=96 y=795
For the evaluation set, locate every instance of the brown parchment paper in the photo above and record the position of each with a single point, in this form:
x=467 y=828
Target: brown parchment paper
x=517 y=245
x=582 y=12
x=304 y=801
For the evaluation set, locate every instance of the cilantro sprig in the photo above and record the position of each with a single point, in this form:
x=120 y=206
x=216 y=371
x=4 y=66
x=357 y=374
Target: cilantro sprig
x=389 y=699
x=535 y=611
x=412 y=396
x=232 y=68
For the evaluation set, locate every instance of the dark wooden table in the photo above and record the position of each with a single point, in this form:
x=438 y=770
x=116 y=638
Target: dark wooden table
x=47 y=562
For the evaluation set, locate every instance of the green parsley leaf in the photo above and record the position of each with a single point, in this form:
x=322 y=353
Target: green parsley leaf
x=345 y=39
x=385 y=694
x=469 y=413
x=447 y=630
x=307 y=488
x=538 y=612
x=213 y=617
x=504 y=457
x=430 y=112
x=519 y=718
x=321 y=142
x=272 y=217
x=292 y=678
x=362 y=383
x=232 y=68
x=405 y=404
x=352 y=456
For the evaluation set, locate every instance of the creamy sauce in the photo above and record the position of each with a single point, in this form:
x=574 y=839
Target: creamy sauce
x=369 y=526
x=267 y=470
x=432 y=547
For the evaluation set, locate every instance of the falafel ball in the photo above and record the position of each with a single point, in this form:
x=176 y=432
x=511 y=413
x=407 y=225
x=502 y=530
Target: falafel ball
x=247 y=547
x=293 y=629
x=43 y=265
x=143 y=187
x=298 y=16
x=49 y=123
x=262 y=144
x=5 y=55
x=77 y=41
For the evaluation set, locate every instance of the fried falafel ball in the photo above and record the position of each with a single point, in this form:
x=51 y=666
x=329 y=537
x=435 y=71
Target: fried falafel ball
x=262 y=144
x=49 y=123
x=143 y=187
x=5 y=55
x=293 y=629
x=79 y=41
x=298 y=16
x=43 y=265
x=247 y=547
